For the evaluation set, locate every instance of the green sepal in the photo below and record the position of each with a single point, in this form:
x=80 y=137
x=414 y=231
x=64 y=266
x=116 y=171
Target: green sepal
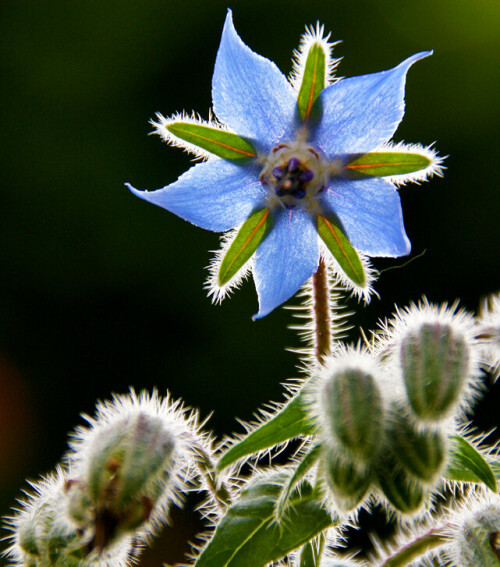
x=250 y=235
x=313 y=80
x=405 y=493
x=292 y=421
x=467 y=464
x=249 y=536
x=297 y=477
x=337 y=242
x=385 y=164
x=218 y=142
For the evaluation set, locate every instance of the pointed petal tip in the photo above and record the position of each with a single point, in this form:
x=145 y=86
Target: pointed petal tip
x=133 y=190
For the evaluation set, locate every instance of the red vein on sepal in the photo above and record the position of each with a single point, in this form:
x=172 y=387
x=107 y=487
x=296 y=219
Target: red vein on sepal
x=222 y=144
x=369 y=165
x=248 y=240
x=311 y=92
x=346 y=256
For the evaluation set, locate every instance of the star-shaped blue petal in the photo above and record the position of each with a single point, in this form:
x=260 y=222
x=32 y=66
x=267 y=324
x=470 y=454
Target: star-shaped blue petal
x=301 y=170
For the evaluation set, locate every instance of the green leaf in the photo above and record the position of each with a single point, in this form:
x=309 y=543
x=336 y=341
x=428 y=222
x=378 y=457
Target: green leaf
x=313 y=80
x=298 y=475
x=337 y=242
x=292 y=421
x=248 y=536
x=244 y=245
x=310 y=554
x=218 y=142
x=467 y=464
x=383 y=164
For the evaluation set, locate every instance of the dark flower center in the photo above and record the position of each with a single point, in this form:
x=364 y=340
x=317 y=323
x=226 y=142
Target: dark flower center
x=292 y=179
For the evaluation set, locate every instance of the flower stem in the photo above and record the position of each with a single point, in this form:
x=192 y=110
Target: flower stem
x=433 y=538
x=321 y=313
x=218 y=490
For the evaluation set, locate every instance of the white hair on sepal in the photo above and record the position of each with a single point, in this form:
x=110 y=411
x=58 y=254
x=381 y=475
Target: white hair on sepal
x=435 y=167
x=215 y=291
x=309 y=38
x=160 y=127
x=341 y=280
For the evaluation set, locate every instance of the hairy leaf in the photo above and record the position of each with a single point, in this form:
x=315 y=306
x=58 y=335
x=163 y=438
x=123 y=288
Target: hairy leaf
x=467 y=464
x=248 y=535
x=292 y=421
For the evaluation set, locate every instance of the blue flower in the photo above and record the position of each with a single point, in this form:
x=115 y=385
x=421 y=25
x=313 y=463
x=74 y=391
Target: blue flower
x=304 y=161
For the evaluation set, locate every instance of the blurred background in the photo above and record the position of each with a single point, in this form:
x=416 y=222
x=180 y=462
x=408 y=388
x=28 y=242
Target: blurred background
x=100 y=291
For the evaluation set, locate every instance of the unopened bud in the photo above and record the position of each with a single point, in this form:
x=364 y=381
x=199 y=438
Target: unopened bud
x=403 y=492
x=353 y=409
x=477 y=540
x=129 y=467
x=435 y=364
x=420 y=450
x=346 y=482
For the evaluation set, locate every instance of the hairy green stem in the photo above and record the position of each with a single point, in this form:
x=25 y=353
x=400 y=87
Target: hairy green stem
x=321 y=313
x=206 y=466
x=421 y=544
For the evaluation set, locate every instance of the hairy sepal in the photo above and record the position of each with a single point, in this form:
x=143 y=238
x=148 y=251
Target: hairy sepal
x=242 y=248
x=204 y=139
x=249 y=536
x=313 y=80
x=399 y=163
x=338 y=244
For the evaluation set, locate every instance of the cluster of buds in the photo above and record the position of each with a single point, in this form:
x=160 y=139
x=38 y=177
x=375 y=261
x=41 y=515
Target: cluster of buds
x=118 y=481
x=384 y=414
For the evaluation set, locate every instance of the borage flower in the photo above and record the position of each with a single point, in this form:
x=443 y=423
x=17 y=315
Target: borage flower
x=308 y=170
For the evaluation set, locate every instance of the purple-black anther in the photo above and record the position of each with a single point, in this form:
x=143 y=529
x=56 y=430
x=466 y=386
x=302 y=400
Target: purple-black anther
x=277 y=172
x=306 y=176
x=293 y=163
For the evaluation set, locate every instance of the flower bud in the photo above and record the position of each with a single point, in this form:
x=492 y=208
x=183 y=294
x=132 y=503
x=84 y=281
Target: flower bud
x=420 y=451
x=477 y=541
x=43 y=535
x=346 y=482
x=130 y=465
x=403 y=492
x=352 y=408
x=435 y=363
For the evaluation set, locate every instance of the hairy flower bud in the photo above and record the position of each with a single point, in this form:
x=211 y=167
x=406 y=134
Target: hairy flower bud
x=346 y=482
x=421 y=451
x=436 y=351
x=404 y=493
x=43 y=535
x=476 y=539
x=129 y=465
x=435 y=363
x=352 y=407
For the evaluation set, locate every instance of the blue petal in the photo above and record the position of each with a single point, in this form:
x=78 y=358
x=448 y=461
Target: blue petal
x=250 y=94
x=215 y=195
x=360 y=113
x=370 y=212
x=286 y=259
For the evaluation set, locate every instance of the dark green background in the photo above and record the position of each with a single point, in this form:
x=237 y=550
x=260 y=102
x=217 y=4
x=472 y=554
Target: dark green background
x=100 y=291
